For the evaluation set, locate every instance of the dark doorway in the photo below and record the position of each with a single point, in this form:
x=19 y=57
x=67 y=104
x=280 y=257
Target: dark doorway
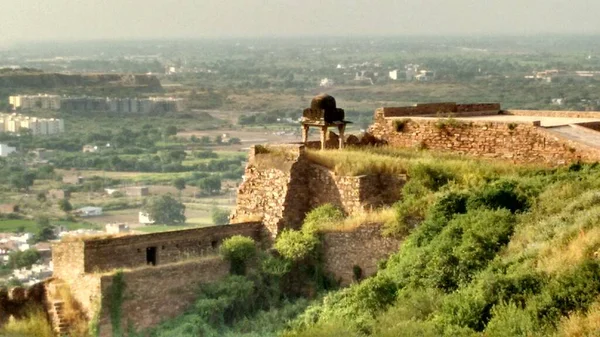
x=151 y=256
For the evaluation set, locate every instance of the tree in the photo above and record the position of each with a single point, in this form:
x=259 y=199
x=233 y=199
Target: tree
x=41 y=197
x=220 y=216
x=210 y=185
x=65 y=205
x=165 y=209
x=22 y=180
x=179 y=184
x=23 y=259
x=171 y=130
x=45 y=230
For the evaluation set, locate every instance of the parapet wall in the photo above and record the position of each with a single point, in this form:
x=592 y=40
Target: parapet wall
x=433 y=109
x=101 y=255
x=361 y=247
x=153 y=295
x=520 y=142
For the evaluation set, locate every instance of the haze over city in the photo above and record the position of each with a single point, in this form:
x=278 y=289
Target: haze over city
x=117 y=19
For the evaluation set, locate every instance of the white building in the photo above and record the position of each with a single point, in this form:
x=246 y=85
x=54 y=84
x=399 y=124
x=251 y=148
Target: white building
x=393 y=74
x=38 y=126
x=116 y=228
x=5 y=150
x=89 y=211
x=326 y=83
x=144 y=218
x=40 y=101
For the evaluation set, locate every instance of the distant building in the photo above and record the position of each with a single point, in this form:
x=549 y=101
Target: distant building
x=59 y=194
x=137 y=191
x=40 y=101
x=38 y=126
x=394 y=74
x=5 y=150
x=9 y=208
x=89 y=211
x=89 y=148
x=144 y=218
x=425 y=76
x=116 y=228
x=326 y=83
x=72 y=179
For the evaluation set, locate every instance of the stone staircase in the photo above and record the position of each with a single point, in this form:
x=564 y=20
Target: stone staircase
x=56 y=308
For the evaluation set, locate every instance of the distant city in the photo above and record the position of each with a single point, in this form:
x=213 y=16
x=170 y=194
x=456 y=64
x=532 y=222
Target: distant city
x=90 y=104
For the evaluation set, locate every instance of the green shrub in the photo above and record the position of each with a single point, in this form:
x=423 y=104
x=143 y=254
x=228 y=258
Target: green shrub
x=432 y=178
x=575 y=290
x=296 y=245
x=510 y=320
x=238 y=250
x=322 y=214
x=501 y=194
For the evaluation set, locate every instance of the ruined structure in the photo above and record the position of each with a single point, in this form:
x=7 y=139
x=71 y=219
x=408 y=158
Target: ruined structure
x=484 y=130
x=281 y=185
x=157 y=275
x=323 y=114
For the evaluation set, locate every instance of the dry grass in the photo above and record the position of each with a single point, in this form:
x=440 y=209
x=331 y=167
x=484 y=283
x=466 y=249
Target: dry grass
x=390 y=160
x=555 y=257
x=580 y=324
x=247 y=218
x=380 y=216
x=35 y=325
x=73 y=313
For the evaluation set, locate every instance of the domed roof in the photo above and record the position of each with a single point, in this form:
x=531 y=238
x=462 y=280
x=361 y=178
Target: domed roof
x=323 y=102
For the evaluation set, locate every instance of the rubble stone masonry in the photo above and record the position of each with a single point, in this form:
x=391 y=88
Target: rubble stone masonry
x=361 y=247
x=280 y=189
x=524 y=142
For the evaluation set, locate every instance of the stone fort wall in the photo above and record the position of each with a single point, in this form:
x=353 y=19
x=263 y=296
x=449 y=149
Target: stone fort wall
x=155 y=294
x=280 y=186
x=363 y=247
x=524 y=142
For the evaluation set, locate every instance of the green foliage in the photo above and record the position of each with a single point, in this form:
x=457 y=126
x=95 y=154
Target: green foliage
x=179 y=183
x=23 y=259
x=431 y=177
x=510 y=320
x=210 y=185
x=296 y=245
x=22 y=180
x=44 y=230
x=238 y=250
x=116 y=296
x=500 y=194
x=64 y=205
x=165 y=210
x=219 y=216
x=322 y=214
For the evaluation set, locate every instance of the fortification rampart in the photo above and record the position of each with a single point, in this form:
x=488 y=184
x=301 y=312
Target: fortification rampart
x=521 y=139
x=280 y=187
x=153 y=295
x=357 y=250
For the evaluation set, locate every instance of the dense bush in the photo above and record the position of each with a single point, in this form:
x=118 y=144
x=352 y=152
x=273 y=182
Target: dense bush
x=238 y=250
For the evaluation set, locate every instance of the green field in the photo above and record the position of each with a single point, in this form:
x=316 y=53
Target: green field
x=31 y=225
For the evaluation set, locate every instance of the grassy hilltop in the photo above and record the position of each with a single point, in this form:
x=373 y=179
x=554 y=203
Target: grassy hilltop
x=498 y=250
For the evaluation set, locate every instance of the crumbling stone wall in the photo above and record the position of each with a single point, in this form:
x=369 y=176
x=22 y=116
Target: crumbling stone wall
x=152 y=295
x=73 y=259
x=518 y=141
x=361 y=247
x=281 y=189
x=433 y=109
x=353 y=194
x=274 y=189
x=17 y=301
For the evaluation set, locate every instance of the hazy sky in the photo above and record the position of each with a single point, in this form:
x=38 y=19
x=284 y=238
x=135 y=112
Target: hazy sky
x=92 y=19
